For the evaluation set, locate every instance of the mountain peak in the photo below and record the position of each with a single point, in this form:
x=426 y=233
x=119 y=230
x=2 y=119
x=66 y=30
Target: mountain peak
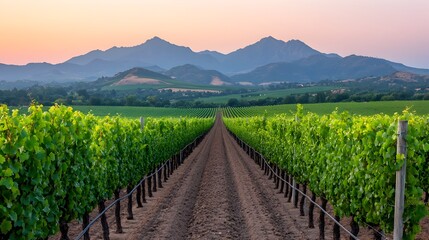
x=156 y=40
x=159 y=43
x=292 y=42
x=273 y=41
x=265 y=51
x=269 y=39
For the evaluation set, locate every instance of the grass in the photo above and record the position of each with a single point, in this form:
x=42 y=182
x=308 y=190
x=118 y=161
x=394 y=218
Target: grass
x=265 y=93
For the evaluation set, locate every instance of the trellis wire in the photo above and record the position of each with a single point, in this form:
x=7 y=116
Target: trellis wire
x=127 y=195
x=302 y=193
x=306 y=196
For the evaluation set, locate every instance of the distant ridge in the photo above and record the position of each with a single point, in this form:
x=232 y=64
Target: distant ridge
x=265 y=51
x=154 y=51
x=317 y=68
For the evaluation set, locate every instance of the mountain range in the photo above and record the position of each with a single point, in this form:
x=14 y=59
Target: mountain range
x=318 y=67
x=268 y=60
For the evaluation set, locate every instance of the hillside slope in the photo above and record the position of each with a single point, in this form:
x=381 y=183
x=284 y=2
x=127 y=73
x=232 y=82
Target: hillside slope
x=193 y=74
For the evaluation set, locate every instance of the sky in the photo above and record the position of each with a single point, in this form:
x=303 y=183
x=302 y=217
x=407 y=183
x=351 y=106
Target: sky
x=56 y=30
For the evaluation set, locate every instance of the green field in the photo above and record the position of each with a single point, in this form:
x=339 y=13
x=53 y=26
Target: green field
x=364 y=108
x=265 y=94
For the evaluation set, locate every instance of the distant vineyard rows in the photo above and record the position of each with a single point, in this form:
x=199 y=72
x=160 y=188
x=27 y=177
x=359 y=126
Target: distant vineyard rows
x=136 y=112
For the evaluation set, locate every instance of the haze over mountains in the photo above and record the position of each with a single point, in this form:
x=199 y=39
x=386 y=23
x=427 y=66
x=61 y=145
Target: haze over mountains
x=268 y=60
x=319 y=67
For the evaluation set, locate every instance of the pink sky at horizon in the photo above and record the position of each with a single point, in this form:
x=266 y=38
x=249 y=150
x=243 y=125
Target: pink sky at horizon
x=54 y=31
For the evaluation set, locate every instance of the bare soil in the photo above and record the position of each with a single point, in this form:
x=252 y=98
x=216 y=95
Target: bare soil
x=132 y=79
x=216 y=81
x=217 y=193
x=190 y=90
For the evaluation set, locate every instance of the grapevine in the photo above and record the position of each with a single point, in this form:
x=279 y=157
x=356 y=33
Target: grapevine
x=57 y=165
x=350 y=160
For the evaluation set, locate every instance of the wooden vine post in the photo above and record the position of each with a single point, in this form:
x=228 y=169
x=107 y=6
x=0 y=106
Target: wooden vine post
x=142 y=123
x=401 y=149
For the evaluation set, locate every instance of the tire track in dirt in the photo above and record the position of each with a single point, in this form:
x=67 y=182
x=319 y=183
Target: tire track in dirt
x=217 y=193
x=217 y=213
x=169 y=221
x=220 y=196
x=267 y=215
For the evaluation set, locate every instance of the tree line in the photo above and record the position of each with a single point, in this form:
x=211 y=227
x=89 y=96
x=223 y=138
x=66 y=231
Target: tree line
x=48 y=95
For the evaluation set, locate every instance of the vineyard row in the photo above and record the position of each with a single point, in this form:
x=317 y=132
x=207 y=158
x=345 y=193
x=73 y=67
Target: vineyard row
x=57 y=165
x=348 y=160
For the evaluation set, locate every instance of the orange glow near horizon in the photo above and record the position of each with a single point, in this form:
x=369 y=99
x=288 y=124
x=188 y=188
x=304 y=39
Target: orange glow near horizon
x=54 y=31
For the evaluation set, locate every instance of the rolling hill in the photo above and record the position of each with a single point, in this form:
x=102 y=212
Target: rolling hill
x=397 y=82
x=141 y=78
x=135 y=76
x=193 y=74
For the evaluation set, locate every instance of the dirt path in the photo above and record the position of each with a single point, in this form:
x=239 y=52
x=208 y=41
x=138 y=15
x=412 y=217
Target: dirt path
x=216 y=196
x=218 y=193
